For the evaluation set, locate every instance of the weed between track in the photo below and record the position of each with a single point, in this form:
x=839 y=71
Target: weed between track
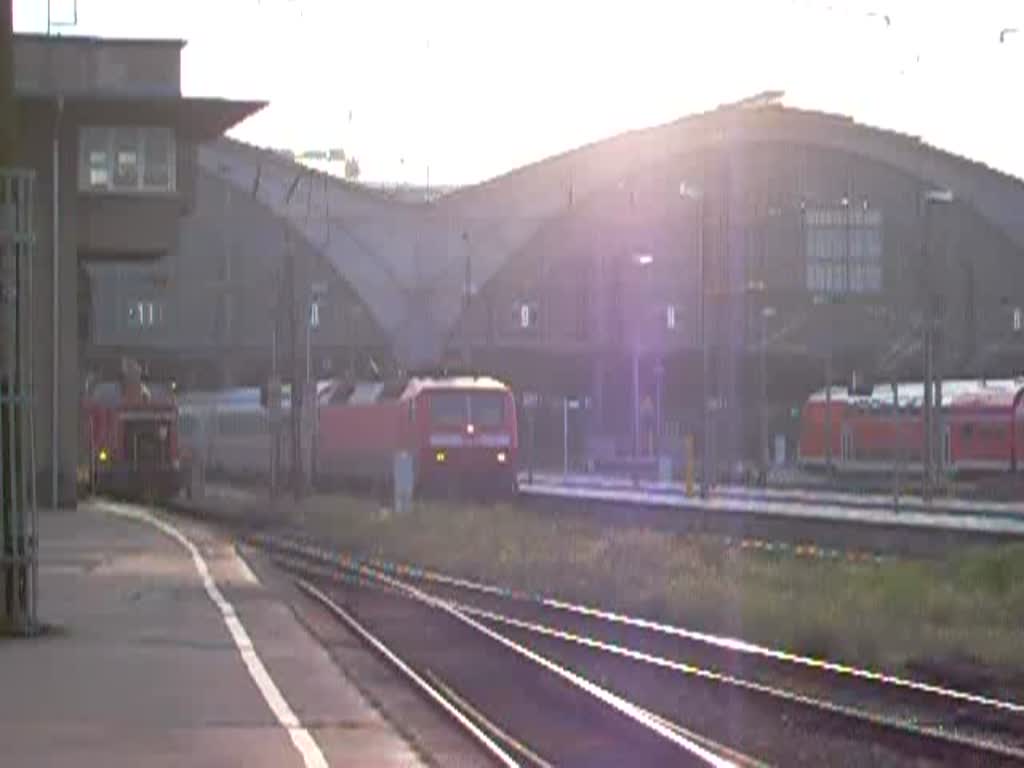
x=897 y=614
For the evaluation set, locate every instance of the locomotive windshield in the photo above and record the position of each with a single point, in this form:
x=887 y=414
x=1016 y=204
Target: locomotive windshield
x=456 y=409
x=487 y=409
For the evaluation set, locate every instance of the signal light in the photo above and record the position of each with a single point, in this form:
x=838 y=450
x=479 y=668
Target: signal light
x=104 y=456
x=440 y=457
x=470 y=429
x=502 y=457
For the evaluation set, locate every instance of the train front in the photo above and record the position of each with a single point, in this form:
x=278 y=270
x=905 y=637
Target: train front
x=134 y=442
x=470 y=439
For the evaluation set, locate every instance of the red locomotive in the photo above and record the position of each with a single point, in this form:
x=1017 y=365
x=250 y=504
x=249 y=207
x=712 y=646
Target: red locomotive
x=981 y=429
x=129 y=440
x=460 y=431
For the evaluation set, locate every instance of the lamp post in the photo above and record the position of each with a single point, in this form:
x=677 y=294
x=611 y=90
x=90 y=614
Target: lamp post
x=932 y=377
x=767 y=313
x=689 y=192
x=643 y=261
x=467 y=298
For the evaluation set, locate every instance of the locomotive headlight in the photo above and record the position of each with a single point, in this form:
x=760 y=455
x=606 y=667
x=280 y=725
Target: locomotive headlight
x=502 y=457
x=103 y=456
x=440 y=457
x=470 y=429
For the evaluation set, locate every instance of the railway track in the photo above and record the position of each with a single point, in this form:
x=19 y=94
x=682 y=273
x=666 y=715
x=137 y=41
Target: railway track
x=497 y=689
x=785 y=709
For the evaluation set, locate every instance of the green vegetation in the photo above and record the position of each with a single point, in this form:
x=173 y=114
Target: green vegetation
x=894 y=613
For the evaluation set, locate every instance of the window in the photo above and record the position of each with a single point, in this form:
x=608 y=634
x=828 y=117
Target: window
x=126 y=158
x=158 y=159
x=526 y=315
x=145 y=313
x=487 y=409
x=455 y=409
x=448 y=409
x=844 y=251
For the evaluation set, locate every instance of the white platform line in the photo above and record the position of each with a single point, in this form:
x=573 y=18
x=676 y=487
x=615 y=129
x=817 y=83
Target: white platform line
x=307 y=747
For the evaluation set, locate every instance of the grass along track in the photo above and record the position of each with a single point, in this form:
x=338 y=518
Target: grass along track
x=959 y=613
x=942 y=741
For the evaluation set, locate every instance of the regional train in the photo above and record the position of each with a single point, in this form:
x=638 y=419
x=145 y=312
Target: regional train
x=460 y=432
x=981 y=429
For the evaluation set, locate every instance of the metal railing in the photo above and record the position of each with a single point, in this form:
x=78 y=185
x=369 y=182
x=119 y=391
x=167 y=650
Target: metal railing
x=18 y=513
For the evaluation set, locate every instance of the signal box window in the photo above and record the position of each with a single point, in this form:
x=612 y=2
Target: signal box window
x=126 y=159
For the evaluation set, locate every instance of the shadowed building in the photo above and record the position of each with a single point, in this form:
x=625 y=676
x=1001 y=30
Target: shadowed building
x=112 y=143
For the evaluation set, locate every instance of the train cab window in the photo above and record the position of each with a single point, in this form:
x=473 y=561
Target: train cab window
x=487 y=409
x=449 y=409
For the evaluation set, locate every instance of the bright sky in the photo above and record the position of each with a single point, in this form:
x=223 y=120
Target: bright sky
x=472 y=88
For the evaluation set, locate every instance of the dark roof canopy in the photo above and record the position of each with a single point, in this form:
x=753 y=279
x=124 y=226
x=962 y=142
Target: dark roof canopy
x=199 y=119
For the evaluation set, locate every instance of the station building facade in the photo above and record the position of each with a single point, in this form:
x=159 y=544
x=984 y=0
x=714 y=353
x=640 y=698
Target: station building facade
x=821 y=248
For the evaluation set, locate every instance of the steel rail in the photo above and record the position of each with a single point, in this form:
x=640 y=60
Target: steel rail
x=705 y=749
x=891 y=724
x=726 y=643
x=415 y=678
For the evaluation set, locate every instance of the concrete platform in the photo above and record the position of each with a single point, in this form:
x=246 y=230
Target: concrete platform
x=140 y=667
x=998 y=518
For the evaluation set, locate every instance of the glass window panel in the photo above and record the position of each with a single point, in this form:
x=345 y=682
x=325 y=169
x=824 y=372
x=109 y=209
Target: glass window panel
x=487 y=409
x=875 y=279
x=126 y=158
x=159 y=157
x=838 y=281
x=449 y=409
x=94 y=157
x=857 y=279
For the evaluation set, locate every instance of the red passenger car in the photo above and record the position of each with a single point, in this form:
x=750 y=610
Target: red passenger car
x=460 y=431
x=129 y=441
x=982 y=432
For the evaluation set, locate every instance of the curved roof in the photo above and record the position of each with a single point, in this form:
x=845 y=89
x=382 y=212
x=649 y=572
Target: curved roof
x=406 y=260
